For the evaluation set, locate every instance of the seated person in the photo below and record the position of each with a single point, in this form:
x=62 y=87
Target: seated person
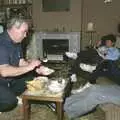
x=14 y=69
x=96 y=56
x=85 y=56
x=74 y=56
x=110 y=58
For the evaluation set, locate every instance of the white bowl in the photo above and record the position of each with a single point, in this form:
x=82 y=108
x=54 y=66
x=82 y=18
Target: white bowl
x=55 y=87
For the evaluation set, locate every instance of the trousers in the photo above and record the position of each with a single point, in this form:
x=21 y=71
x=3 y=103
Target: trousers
x=10 y=90
x=108 y=69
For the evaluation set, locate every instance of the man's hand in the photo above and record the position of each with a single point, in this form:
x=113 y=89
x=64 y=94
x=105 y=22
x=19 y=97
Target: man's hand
x=33 y=64
x=7 y=70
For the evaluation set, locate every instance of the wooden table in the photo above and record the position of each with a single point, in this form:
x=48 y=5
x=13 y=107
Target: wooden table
x=58 y=99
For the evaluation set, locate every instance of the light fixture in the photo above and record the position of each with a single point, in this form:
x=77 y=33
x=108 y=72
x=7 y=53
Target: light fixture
x=90 y=26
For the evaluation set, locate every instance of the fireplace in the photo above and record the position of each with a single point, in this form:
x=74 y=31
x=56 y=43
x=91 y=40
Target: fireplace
x=54 y=44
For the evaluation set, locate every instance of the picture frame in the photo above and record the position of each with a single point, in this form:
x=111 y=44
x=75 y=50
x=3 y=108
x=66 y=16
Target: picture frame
x=55 y=5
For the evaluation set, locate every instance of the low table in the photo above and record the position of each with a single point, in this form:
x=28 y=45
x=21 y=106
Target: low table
x=57 y=98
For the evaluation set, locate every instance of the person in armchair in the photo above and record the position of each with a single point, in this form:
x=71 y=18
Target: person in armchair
x=99 y=61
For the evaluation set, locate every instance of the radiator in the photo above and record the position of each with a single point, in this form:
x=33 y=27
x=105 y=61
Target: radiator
x=111 y=111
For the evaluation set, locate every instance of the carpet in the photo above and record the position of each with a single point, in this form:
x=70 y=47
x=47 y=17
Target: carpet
x=43 y=112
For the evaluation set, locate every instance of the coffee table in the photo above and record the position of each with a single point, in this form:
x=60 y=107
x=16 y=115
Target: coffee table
x=58 y=98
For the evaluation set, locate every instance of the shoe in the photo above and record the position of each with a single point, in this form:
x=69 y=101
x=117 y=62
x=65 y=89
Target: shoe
x=71 y=55
x=81 y=89
x=52 y=106
x=73 y=78
x=19 y=100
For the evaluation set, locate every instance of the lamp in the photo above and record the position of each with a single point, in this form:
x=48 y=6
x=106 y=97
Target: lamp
x=90 y=26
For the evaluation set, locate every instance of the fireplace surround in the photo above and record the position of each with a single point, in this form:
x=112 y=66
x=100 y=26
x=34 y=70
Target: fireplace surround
x=53 y=44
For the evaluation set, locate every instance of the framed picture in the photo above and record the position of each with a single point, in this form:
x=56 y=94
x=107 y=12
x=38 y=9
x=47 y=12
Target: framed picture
x=55 y=5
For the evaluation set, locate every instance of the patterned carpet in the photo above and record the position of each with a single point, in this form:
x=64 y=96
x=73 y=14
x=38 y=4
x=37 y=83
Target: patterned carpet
x=38 y=112
x=43 y=112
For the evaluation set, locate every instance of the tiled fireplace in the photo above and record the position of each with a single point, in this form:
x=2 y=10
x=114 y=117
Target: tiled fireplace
x=54 y=44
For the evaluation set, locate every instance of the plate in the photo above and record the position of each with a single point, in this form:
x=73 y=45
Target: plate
x=45 y=70
x=56 y=87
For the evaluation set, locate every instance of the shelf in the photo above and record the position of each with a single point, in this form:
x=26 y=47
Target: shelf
x=15 y=5
x=8 y=10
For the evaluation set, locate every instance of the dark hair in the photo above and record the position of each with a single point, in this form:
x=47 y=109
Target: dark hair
x=109 y=37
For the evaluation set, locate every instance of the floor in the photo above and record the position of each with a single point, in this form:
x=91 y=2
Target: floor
x=42 y=112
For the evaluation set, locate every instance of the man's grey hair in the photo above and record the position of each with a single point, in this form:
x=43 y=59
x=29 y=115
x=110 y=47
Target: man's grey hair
x=16 y=21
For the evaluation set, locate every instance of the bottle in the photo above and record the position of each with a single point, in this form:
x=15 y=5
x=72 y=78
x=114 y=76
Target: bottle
x=45 y=54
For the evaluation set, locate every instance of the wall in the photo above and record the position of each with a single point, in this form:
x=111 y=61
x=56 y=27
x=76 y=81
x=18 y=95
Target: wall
x=104 y=16
x=49 y=20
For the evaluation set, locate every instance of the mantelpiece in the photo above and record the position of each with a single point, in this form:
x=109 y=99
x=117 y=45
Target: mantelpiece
x=54 y=44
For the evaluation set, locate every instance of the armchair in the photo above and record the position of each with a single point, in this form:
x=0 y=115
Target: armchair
x=107 y=68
